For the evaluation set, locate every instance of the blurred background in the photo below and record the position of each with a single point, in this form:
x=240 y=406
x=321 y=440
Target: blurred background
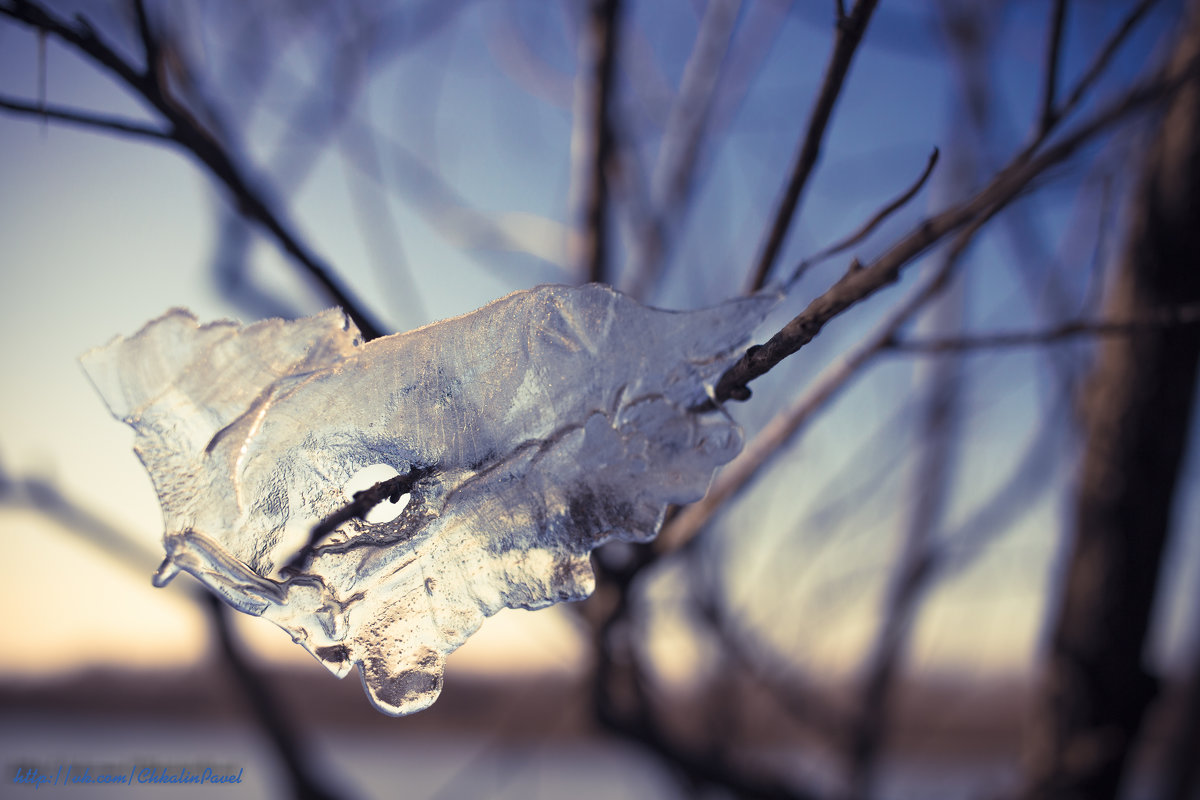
x=893 y=593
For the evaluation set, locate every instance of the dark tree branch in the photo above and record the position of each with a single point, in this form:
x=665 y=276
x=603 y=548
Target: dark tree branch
x=850 y=30
x=281 y=732
x=150 y=44
x=616 y=658
x=46 y=498
x=1095 y=69
x=784 y=426
x=803 y=699
x=390 y=490
x=601 y=42
x=85 y=119
x=185 y=130
x=1054 y=40
x=861 y=282
x=973 y=48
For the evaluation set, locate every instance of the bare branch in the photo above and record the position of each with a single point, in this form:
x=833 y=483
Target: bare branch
x=1096 y=68
x=594 y=132
x=1096 y=684
x=1054 y=39
x=1165 y=318
x=85 y=119
x=868 y=227
x=616 y=656
x=187 y=132
x=785 y=425
x=280 y=731
x=850 y=29
x=963 y=545
x=45 y=497
x=149 y=41
x=390 y=490
x=802 y=698
x=860 y=282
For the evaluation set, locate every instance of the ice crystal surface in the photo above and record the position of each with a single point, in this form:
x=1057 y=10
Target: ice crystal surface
x=534 y=429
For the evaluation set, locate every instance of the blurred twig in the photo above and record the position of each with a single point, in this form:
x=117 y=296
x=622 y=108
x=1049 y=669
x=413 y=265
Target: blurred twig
x=280 y=731
x=785 y=425
x=1054 y=41
x=671 y=189
x=910 y=578
x=860 y=282
x=850 y=29
x=593 y=135
x=182 y=128
x=44 y=497
x=971 y=42
x=867 y=227
x=1094 y=71
x=617 y=659
x=1178 y=316
x=85 y=119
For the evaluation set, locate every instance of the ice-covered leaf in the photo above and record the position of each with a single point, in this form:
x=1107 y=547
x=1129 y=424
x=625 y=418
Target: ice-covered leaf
x=533 y=430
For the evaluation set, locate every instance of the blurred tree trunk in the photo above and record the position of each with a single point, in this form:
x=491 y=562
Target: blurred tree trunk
x=1181 y=768
x=1136 y=415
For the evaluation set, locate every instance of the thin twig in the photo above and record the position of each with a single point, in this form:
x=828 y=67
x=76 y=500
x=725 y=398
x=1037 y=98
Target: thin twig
x=962 y=546
x=803 y=698
x=860 y=282
x=617 y=657
x=785 y=425
x=150 y=44
x=1097 y=67
x=1171 y=317
x=867 y=228
x=85 y=119
x=390 y=490
x=973 y=45
x=850 y=29
x=184 y=129
x=1054 y=40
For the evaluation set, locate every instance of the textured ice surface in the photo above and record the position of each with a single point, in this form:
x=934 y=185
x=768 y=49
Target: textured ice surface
x=543 y=425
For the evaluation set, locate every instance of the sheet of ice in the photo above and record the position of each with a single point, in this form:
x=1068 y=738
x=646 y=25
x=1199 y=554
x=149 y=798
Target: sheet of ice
x=543 y=425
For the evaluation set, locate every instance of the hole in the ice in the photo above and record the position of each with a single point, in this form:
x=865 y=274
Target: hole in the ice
x=367 y=477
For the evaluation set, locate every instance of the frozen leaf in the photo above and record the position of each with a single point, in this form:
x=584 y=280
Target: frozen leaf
x=528 y=432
